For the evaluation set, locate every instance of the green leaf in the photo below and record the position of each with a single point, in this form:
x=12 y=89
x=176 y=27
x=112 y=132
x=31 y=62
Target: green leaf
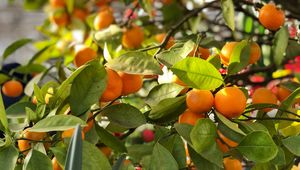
x=179 y=152
x=124 y=115
x=14 y=46
x=110 y=140
x=4 y=78
x=74 y=154
x=203 y=134
x=30 y=68
x=87 y=88
x=108 y=33
x=184 y=131
x=293 y=49
x=3 y=118
x=136 y=63
x=229 y=124
x=93 y=158
x=228 y=13
x=289 y=100
x=280 y=44
x=279 y=158
x=57 y=123
x=138 y=151
x=60 y=152
x=168 y=109
x=174 y=55
x=239 y=58
x=200 y=162
x=37 y=160
x=18 y=110
x=253 y=126
x=31 y=115
x=215 y=61
x=39 y=53
x=198 y=73
x=292 y=143
x=8 y=157
x=163 y=91
x=258 y=146
x=162 y=159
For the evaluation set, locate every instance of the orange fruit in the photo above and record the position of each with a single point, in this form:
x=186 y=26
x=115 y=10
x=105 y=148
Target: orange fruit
x=190 y=117
x=230 y=102
x=226 y=51
x=204 y=53
x=226 y=140
x=12 y=88
x=232 y=164
x=228 y=48
x=69 y=133
x=222 y=146
x=57 y=3
x=255 y=53
x=26 y=144
x=283 y=92
x=84 y=55
x=199 y=101
x=133 y=37
x=113 y=88
x=131 y=83
x=55 y=164
x=90 y=124
x=160 y=37
x=81 y=14
x=104 y=19
x=60 y=19
x=106 y=150
x=271 y=17
x=264 y=95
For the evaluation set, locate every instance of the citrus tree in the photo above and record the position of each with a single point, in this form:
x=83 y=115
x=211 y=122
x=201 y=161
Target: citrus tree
x=155 y=84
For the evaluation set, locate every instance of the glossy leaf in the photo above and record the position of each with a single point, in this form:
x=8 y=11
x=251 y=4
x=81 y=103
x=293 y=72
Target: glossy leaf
x=110 y=140
x=17 y=110
x=93 y=158
x=37 y=160
x=74 y=154
x=280 y=44
x=3 y=118
x=168 y=109
x=228 y=13
x=87 y=88
x=162 y=159
x=57 y=123
x=203 y=134
x=14 y=46
x=258 y=146
x=174 y=55
x=163 y=91
x=135 y=63
x=8 y=157
x=239 y=58
x=292 y=143
x=198 y=73
x=124 y=115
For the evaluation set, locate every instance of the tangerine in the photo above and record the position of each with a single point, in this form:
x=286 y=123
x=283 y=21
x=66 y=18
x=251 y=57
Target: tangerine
x=12 y=88
x=230 y=102
x=267 y=14
x=133 y=37
x=84 y=55
x=113 y=88
x=190 y=117
x=131 y=83
x=199 y=101
x=264 y=95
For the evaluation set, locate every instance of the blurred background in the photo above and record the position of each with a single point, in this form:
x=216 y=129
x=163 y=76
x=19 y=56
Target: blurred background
x=16 y=23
